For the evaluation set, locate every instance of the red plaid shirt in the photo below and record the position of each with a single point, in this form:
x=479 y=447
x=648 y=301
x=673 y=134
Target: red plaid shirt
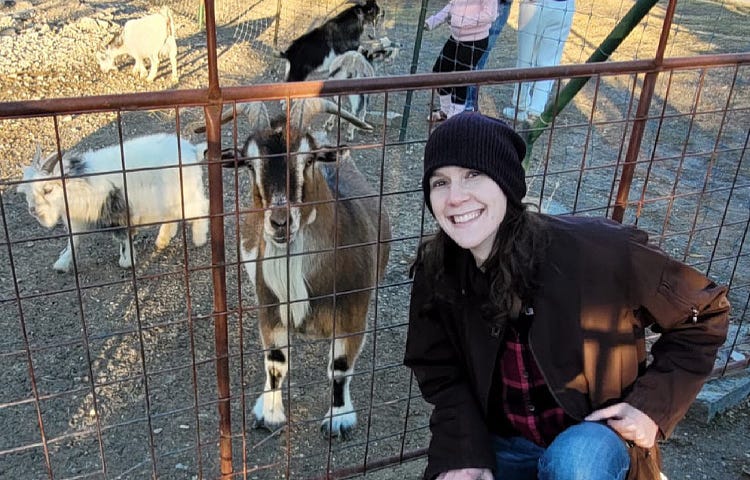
x=528 y=404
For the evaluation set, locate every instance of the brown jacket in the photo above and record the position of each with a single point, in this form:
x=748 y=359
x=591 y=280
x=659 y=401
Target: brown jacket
x=601 y=286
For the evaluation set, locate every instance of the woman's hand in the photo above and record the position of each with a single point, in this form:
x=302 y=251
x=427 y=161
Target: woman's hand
x=467 y=474
x=629 y=422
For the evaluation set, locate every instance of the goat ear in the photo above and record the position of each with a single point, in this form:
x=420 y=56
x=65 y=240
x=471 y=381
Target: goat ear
x=330 y=153
x=28 y=174
x=378 y=55
x=230 y=157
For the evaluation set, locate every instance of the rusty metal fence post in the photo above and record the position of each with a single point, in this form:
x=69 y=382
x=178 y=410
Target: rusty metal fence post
x=218 y=256
x=639 y=124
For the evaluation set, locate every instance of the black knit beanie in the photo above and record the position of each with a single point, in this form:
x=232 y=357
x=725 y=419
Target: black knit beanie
x=476 y=141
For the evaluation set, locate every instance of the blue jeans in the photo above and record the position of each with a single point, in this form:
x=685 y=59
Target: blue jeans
x=587 y=451
x=503 y=10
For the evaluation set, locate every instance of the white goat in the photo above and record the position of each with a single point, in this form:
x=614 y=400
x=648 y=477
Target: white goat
x=351 y=64
x=315 y=245
x=359 y=64
x=95 y=189
x=145 y=37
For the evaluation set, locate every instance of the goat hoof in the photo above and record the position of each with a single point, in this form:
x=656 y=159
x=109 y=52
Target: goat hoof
x=261 y=424
x=125 y=264
x=342 y=432
x=162 y=244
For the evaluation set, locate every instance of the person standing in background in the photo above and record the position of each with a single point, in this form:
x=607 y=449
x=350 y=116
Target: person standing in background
x=503 y=10
x=543 y=28
x=470 y=22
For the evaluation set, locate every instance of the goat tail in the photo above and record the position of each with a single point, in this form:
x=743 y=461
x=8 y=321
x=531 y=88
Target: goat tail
x=167 y=13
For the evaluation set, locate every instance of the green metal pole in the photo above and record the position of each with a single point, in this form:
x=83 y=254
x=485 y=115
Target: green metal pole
x=201 y=16
x=413 y=69
x=276 y=26
x=606 y=48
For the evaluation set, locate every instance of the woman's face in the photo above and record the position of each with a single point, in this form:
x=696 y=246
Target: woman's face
x=469 y=206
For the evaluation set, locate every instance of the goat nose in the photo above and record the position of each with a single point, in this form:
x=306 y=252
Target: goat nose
x=279 y=222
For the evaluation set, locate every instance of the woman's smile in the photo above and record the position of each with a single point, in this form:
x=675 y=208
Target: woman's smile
x=466 y=217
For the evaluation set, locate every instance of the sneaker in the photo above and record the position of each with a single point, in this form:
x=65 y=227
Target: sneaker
x=437 y=116
x=531 y=115
x=512 y=113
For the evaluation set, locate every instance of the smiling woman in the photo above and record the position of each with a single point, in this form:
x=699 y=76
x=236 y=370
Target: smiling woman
x=465 y=188
x=469 y=206
x=526 y=331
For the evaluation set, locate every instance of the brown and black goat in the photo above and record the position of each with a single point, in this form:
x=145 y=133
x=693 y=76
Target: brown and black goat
x=315 y=245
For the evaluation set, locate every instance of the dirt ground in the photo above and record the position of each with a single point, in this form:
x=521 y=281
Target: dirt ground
x=143 y=341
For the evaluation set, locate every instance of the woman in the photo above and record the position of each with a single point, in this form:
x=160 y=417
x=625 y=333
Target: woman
x=526 y=331
x=470 y=22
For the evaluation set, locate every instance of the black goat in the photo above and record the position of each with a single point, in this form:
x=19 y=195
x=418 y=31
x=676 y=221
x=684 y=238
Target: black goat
x=316 y=49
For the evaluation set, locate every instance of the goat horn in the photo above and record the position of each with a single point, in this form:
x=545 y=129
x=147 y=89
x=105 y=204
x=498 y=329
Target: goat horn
x=257 y=115
x=224 y=119
x=49 y=163
x=332 y=107
x=37 y=159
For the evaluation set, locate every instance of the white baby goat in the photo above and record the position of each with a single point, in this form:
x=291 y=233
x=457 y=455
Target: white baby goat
x=359 y=64
x=95 y=188
x=146 y=37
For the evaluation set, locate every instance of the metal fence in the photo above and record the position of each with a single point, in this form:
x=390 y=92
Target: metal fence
x=153 y=371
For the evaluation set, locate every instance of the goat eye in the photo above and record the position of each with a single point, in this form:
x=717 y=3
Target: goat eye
x=310 y=161
x=47 y=189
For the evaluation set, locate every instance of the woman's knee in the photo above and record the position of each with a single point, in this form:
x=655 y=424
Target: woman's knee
x=587 y=451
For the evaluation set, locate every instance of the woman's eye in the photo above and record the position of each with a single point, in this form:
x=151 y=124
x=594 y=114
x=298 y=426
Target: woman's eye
x=474 y=173
x=437 y=183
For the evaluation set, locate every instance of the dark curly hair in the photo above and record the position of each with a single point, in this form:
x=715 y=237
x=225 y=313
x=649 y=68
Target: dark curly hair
x=512 y=266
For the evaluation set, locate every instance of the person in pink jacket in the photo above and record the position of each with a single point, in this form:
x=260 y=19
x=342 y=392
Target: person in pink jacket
x=470 y=22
